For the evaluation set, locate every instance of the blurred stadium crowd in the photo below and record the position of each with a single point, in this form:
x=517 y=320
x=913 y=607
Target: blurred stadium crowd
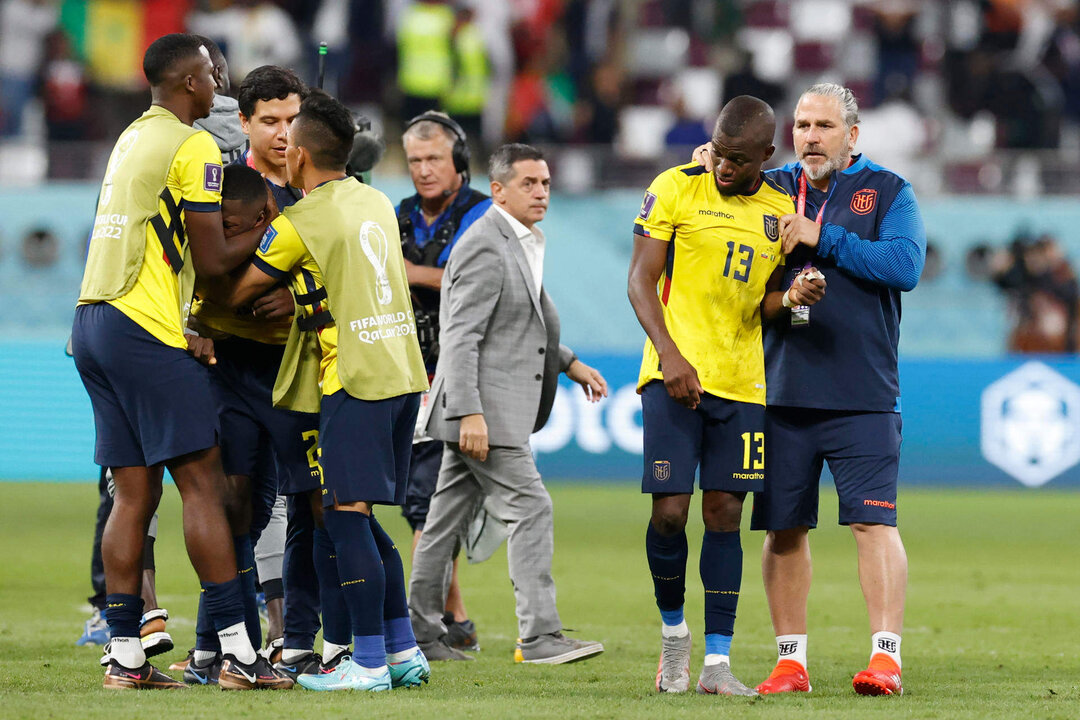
x=961 y=97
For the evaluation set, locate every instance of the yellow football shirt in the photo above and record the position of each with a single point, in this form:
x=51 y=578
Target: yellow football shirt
x=194 y=181
x=722 y=249
x=282 y=254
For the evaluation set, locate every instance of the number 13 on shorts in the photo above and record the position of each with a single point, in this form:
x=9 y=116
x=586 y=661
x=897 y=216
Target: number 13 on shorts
x=753 y=451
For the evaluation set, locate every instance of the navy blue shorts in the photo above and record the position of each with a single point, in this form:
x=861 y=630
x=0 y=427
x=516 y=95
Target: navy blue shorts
x=725 y=437
x=152 y=402
x=365 y=447
x=863 y=452
x=243 y=382
x=423 y=477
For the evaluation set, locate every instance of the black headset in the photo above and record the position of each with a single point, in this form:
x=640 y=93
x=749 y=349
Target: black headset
x=460 y=151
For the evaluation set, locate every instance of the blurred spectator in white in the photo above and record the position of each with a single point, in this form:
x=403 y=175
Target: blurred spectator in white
x=331 y=26
x=894 y=134
x=23 y=27
x=251 y=33
x=425 y=56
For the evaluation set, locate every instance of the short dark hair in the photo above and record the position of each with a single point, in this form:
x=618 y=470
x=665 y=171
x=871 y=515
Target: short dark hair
x=167 y=52
x=326 y=129
x=242 y=183
x=268 y=82
x=501 y=165
x=216 y=56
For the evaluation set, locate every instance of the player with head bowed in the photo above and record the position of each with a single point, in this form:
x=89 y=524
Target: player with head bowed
x=706 y=268
x=158 y=224
x=352 y=355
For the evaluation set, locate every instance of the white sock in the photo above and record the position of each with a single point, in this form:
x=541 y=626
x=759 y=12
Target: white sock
x=401 y=656
x=202 y=658
x=331 y=650
x=291 y=655
x=886 y=643
x=791 y=647
x=716 y=659
x=680 y=630
x=128 y=652
x=234 y=641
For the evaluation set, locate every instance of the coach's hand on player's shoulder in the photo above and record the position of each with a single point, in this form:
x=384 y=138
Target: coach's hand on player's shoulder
x=808 y=287
x=473 y=437
x=590 y=380
x=276 y=304
x=681 y=379
x=702 y=155
x=202 y=349
x=798 y=230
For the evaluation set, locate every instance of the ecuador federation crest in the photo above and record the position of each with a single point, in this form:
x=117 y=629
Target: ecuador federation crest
x=863 y=201
x=772 y=227
x=661 y=470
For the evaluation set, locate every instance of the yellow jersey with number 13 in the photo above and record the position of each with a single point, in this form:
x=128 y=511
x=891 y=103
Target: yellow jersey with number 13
x=722 y=250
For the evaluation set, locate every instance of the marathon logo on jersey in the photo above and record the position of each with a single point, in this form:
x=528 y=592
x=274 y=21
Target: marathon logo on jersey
x=885 y=645
x=879 y=503
x=787 y=648
x=212 y=177
x=647 y=205
x=863 y=201
x=772 y=227
x=661 y=470
x=268 y=238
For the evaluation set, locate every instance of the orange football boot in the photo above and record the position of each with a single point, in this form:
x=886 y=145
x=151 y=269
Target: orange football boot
x=787 y=676
x=881 y=678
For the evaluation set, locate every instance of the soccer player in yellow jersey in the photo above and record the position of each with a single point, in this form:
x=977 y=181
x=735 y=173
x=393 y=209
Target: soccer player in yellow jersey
x=158 y=223
x=340 y=246
x=703 y=272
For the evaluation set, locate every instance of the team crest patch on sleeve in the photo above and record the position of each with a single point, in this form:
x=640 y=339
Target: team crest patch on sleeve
x=863 y=201
x=212 y=177
x=268 y=238
x=772 y=227
x=647 y=205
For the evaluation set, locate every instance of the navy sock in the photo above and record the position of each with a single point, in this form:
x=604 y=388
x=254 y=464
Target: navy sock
x=721 y=575
x=301 y=582
x=397 y=626
x=335 y=613
x=667 y=563
x=205 y=636
x=224 y=603
x=363 y=582
x=245 y=569
x=124 y=613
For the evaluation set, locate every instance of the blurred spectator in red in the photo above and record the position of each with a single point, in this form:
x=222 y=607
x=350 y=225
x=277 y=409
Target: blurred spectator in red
x=64 y=94
x=1043 y=292
x=23 y=27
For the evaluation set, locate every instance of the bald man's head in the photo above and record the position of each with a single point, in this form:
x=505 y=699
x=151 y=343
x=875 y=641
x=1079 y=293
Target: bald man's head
x=742 y=140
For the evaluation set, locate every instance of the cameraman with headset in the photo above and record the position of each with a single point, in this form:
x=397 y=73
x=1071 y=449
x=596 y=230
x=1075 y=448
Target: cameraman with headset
x=431 y=221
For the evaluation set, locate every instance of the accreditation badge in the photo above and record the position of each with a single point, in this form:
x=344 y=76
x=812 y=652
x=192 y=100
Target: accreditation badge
x=800 y=316
x=419 y=435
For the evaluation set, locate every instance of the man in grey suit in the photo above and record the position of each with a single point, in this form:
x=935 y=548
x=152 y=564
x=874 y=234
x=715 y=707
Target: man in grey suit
x=494 y=385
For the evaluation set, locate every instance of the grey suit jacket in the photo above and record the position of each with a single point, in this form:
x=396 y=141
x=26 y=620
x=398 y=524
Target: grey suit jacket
x=499 y=351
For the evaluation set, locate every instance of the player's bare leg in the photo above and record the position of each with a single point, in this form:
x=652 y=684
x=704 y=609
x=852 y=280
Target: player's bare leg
x=883 y=577
x=787 y=569
x=199 y=479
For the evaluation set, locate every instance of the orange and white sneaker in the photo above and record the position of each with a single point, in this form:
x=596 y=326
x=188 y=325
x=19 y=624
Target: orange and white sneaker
x=881 y=678
x=787 y=676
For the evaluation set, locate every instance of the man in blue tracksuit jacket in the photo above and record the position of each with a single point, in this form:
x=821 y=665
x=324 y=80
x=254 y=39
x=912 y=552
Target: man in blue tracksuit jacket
x=833 y=387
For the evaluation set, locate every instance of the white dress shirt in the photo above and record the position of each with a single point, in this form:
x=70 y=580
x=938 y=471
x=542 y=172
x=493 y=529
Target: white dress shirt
x=532 y=242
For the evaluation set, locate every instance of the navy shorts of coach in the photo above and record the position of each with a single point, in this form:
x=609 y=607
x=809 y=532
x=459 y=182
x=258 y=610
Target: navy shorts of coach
x=833 y=385
x=724 y=437
x=152 y=402
x=365 y=447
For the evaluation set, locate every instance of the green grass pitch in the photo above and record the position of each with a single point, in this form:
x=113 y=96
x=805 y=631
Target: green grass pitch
x=992 y=623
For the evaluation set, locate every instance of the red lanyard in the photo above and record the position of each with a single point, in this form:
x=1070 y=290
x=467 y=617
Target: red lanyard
x=802 y=199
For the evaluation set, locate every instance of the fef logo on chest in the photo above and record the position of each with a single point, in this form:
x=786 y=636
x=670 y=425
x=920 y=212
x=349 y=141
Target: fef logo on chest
x=772 y=227
x=863 y=201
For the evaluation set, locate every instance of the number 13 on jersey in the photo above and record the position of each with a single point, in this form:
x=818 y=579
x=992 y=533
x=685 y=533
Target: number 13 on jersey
x=753 y=451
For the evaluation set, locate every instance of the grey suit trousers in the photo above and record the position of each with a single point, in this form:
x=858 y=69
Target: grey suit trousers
x=514 y=493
